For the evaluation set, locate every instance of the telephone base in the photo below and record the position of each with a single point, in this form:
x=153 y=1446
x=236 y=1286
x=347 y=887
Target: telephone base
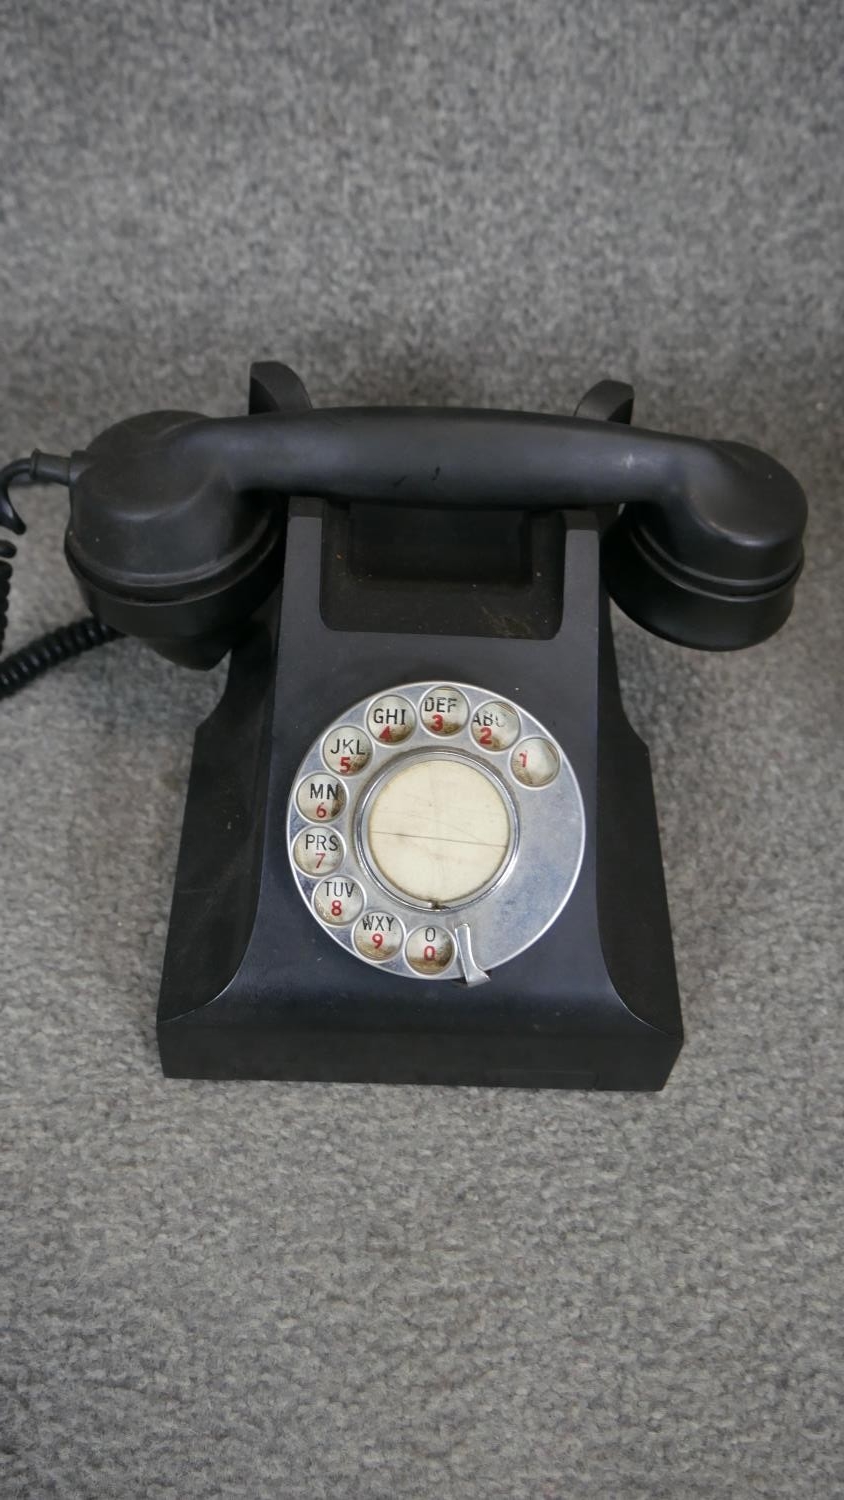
x=254 y=989
x=512 y=602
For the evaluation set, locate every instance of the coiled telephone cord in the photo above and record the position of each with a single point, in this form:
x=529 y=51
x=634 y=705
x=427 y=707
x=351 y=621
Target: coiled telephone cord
x=22 y=667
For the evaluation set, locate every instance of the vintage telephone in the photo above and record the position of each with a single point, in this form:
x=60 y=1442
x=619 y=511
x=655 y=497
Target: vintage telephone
x=420 y=842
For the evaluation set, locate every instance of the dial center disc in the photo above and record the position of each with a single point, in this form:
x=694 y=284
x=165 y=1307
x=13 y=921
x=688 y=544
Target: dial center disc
x=438 y=830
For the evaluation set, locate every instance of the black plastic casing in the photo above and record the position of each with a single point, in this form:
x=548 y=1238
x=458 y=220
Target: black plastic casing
x=254 y=988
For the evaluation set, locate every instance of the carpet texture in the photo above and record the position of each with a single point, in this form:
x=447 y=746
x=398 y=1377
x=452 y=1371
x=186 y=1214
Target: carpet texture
x=273 y=1291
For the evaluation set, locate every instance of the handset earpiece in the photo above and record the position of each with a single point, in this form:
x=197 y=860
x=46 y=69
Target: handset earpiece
x=167 y=551
x=172 y=550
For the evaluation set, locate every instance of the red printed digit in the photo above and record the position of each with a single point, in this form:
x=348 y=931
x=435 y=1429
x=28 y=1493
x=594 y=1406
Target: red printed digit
x=437 y=722
x=430 y=953
x=345 y=763
x=322 y=810
x=320 y=858
x=336 y=908
x=377 y=939
x=486 y=735
x=386 y=734
x=523 y=757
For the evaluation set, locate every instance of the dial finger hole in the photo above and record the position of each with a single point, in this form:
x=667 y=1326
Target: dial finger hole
x=378 y=935
x=429 y=950
x=495 y=726
x=338 y=901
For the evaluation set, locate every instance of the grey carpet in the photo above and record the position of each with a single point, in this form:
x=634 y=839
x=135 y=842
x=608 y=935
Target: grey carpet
x=271 y=1291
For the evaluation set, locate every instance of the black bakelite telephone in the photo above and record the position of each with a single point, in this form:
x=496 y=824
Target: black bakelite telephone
x=421 y=739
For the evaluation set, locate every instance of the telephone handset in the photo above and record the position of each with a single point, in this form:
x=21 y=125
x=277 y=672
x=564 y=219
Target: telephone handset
x=422 y=735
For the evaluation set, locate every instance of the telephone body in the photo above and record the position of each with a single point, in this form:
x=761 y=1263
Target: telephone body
x=420 y=842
